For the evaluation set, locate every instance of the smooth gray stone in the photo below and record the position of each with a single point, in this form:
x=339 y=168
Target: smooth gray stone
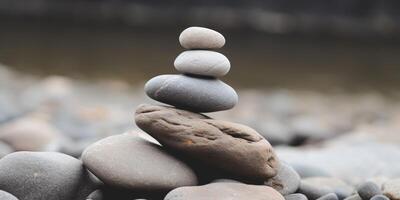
x=129 y=162
x=202 y=62
x=44 y=175
x=5 y=149
x=295 y=196
x=7 y=196
x=287 y=180
x=353 y=197
x=391 y=189
x=330 y=196
x=368 y=189
x=306 y=171
x=201 y=38
x=96 y=195
x=317 y=187
x=192 y=93
x=380 y=197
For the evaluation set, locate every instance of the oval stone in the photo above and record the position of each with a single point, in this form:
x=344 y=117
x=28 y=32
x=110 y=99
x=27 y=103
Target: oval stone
x=129 y=162
x=45 y=175
x=225 y=191
x=201 y=38
x=227 y=146
x=192 y=93
x=287 y=180
x=202 y=62
x=7 y=196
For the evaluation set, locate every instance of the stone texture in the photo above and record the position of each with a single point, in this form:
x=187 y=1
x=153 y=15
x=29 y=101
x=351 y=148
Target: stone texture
x=380 y=197
x=231 y=147
x=367 y=190
x=202 y=62
x=201 y=38
x=7 y=196
x=391 y=189
x=317 y=187
x=224 y=191
x=128 y=161
x=192 y=93
x=5 y=149
x=29 y=134
x=44 y=175
x=287 y=180
x=353 y=197
x=330 y=196
x=296 y=196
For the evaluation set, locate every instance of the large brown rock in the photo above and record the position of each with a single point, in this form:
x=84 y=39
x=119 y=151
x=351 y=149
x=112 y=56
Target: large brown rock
x=225 y=191
x=232 y=147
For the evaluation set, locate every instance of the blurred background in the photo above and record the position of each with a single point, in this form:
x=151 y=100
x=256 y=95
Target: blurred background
x=309 y=73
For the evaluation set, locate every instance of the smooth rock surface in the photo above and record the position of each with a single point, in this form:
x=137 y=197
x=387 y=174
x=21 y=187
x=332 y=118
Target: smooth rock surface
x=330 y=196
x=391 y=189
x=317 y=187
x=231 y=147
x=367 y=190
x=201 y=38
x=44 y=175
x=130 y=162
x=28 y=134
x=380 y=197
x=287 y=180
x=224 y=191
x=295 y=196
x=202 y=62
x=353 y=197
x=7 y=196
x=192 y=93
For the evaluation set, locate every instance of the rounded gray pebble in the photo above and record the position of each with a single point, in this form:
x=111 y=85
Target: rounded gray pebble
x=353 y=197
x=380 y=197
x=296 y=196
x=330 y=196
x=368 y=189
x=201 y=38
x=7 y=196
x=192 y=93
x=202 y=62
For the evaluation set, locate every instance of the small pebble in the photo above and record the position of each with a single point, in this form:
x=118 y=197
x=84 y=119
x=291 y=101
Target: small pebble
x=287 y=180
x=296 y=196
x=380 y=197
x=330 y=196
x=353 y=197
x=367 y=190
x=202 y=62
x=201 y=38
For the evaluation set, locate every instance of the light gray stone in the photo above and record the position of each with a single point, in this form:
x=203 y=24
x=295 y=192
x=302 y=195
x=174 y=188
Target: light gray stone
x=7 y=196
x=131 y=162
x=192 y=93
x=367 y=190
x=201 y=38
x=330 y=196
x=287 y=180
x=296 y=196
x=317 y=187
x=225 y=191
x=45 y=175
x=202 y=62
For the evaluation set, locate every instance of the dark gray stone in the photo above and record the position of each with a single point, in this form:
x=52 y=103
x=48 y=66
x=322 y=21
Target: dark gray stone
x=368 y=189
x=287 y=180
x=224 y=191
x=129 y=162
x=7 y=196
x=230 y=147
x=44 y=175
x=296 y=196
x=192 y=93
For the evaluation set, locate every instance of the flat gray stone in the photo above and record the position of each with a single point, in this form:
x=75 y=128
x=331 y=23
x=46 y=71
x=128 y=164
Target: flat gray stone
x=192 y=93
x=202 y=62
x=230 y=147
x=201 y=38
x=317 y=187
x=296 y=196
x=287 y=180
x=130 y=162
x=44 y=175
x=7 y=196
x=224 y=191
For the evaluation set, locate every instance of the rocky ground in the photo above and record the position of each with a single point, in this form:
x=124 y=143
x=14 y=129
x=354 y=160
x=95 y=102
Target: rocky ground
x=335 y=141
